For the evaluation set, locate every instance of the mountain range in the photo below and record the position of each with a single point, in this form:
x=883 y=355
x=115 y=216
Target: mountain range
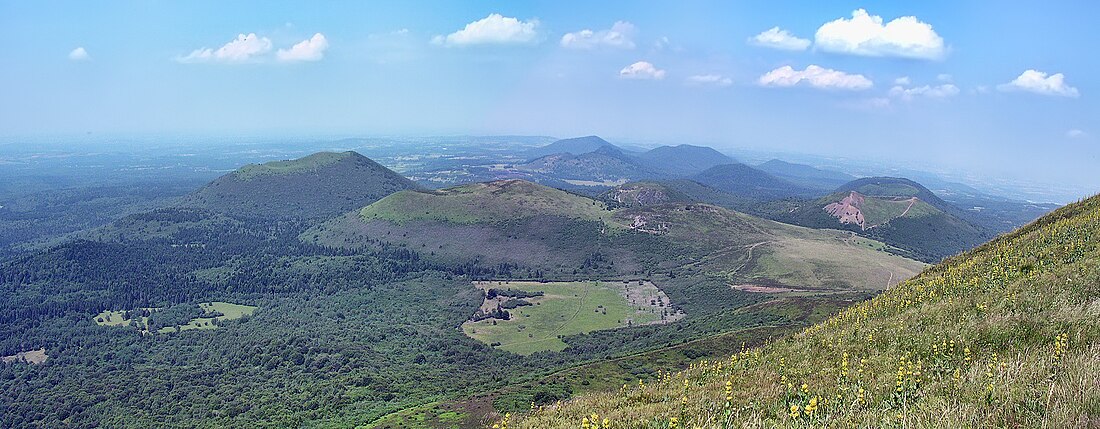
x=330 y=291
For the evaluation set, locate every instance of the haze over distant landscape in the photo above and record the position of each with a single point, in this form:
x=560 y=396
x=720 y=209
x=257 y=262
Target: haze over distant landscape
x=916 y=85
x=549 y=215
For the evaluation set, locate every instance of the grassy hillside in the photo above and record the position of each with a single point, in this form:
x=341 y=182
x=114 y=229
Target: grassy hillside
x=555 y=233
x=1005 y=335
x=484 y=202
x=643 y=194
x=896 y=187
x=710 y=262
x=748 y=250
x=320 y=185
x=899 y=212
x=309 y=163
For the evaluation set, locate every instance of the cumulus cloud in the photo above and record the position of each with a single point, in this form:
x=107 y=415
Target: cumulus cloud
x=779 y=39
x=939 y=91
x=1040 y=83
x=620 y=35
x=865 y=34
x=710 y=79
x=815 y=76
x=494 y=29
x=245 y=48
x=79 y=54
x=311 y=49
x=642 y=70
x=1076 y=134
x=904 y=80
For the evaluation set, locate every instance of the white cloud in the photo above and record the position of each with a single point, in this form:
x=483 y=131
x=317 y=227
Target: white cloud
x=312 y=49
x=815 y=76
x=710 y=79
x=904 y=80
x=940 y=91
x=944 y=77
x=1040 y=83
x=244 y=48
x=493 y=29
x=865 y=34
x=661 y=43
x=642 y=70
x=79 y=54
x=1076 y=134
x=620 y=35
x=779 y=39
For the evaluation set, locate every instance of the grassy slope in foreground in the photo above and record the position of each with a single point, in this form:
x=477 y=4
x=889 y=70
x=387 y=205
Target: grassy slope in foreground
x=1004 y=335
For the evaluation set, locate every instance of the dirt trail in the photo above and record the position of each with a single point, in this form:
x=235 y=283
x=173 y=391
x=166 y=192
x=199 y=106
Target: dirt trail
x=726 y=251
x=748 y=256
x=911 y=202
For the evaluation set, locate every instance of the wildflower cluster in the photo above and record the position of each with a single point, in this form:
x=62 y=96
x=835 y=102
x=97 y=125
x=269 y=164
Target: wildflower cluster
x=593 y=422
x=879 y=362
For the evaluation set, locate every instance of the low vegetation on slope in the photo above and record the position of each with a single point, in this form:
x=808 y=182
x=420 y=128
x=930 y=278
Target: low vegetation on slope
x=896 y=211
x=484 y=202
x=1005 y=335
x=528 y=225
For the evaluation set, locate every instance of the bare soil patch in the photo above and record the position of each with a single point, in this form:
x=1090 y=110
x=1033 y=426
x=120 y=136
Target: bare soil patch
x=31 y=356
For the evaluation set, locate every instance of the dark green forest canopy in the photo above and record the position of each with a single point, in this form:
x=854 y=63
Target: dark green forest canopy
x=357 y=319
x=340 y=335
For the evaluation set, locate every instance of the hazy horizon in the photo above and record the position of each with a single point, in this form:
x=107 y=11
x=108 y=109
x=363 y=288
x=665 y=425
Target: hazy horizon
x=917 y=83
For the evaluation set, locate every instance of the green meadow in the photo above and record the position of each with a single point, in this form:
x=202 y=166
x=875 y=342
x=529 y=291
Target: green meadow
x=566 y=308
x=229 y=311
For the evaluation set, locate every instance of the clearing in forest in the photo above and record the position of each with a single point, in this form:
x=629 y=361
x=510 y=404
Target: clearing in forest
x=228 y=311
x=212 y=312
x=540 y=314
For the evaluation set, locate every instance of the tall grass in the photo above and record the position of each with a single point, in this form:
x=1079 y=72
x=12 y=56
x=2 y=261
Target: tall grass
x=1002 y=336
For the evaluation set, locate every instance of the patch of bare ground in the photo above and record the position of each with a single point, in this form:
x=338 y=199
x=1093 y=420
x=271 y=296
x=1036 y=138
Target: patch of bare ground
x=31 y=356
x=646 y=297
x=847 y=210
x=762 y=289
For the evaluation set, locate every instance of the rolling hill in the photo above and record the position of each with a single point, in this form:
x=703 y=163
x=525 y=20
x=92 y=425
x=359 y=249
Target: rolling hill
x=744 y=181
x=683 y=160
x=605 y=166
x=320 y=185
x=636 y=194
x=897 y=211
x=1004 y=335
x=805 y=175
x=572 y=146
x=525 y=224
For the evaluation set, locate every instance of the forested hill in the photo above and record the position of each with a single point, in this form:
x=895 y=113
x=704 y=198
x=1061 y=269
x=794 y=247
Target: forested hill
x=1002 y=336
x=897 y=211
x=320 y=185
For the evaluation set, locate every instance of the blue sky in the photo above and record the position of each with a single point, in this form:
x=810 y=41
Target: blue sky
x=1008 y=89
